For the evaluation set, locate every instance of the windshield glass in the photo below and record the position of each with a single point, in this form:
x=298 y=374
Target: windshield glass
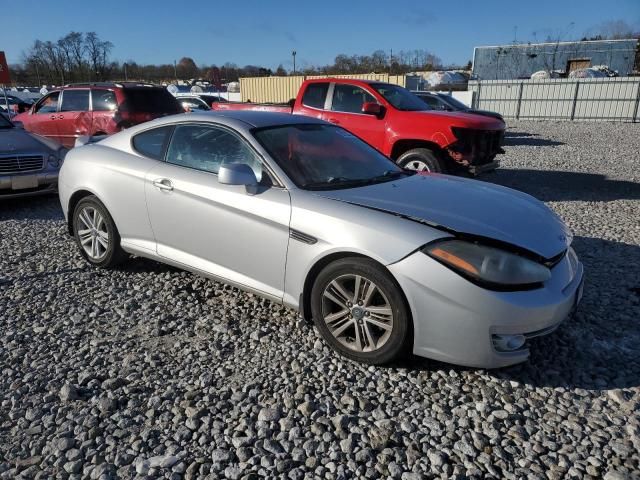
x=400 y=97
x=324 y=157
x=453 y=102
x=4 y=121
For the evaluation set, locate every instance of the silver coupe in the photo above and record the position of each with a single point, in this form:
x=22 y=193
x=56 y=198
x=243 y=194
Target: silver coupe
x=385 y=261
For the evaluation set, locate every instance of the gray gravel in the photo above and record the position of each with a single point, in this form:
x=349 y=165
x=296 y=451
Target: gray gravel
x=150 y=371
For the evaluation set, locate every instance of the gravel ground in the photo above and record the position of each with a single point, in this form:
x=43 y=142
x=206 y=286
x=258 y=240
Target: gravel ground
x=150 y=371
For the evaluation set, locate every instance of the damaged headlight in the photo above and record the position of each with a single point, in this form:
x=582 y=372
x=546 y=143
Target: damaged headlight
x=488 y=266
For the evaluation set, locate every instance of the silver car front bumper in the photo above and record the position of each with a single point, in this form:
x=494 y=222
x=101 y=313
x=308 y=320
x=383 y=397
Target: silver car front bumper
x=458 y=322
x=27 y=184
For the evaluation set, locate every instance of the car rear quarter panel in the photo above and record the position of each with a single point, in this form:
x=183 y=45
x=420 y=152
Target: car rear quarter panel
x=117 y=179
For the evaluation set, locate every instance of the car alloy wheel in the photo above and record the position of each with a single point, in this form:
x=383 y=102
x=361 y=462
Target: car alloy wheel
x=93 y=233
x=96 y=234
x=357 y=313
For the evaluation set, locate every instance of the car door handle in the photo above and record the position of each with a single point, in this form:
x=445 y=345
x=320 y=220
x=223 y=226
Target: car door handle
x=334 y=120
x=52 y=117
x=60 y=117
x=163 y=184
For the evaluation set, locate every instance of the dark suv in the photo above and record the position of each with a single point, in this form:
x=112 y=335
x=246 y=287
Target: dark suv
x=96 y=109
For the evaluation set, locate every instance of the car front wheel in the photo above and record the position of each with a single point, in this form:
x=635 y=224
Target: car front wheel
x=360 y=311
x=96 y=234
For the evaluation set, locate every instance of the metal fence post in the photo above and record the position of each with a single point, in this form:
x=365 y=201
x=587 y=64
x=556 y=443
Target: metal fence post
x=519 y=102
x=575 y=100
x=477 y=99
x=635 y=108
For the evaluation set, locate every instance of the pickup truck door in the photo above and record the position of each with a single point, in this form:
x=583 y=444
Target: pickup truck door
x=345 y=109
x=224 y=230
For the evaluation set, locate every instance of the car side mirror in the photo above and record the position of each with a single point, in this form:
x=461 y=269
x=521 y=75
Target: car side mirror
x=372 y=108
x=237 y=174
x=18 y=124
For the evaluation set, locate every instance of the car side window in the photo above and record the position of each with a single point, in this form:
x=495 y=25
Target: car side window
x=152 y=143
x=315 y=95
x=48 y=104
x=349 y=98
x=206 y=148
x=103 y=100
x=75 y=101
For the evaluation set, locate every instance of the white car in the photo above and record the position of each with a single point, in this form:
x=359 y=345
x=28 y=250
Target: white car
x=386 y=261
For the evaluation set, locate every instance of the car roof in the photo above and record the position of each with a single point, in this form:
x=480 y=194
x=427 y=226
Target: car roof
x=347 y=80
x=255 y=118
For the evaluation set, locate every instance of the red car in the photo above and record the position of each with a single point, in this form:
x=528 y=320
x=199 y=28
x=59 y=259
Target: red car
x=96 y=109
x=397 y=123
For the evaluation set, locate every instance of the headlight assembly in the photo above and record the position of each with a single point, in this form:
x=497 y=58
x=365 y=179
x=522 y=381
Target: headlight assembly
x=488 y=266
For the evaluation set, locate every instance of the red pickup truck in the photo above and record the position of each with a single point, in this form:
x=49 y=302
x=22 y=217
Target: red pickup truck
x=397 y=123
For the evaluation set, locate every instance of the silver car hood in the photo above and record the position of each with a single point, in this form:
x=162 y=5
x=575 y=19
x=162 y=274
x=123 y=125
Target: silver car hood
x=466 y=206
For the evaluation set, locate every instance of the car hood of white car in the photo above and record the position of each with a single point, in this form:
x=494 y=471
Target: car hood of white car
x=466 y=206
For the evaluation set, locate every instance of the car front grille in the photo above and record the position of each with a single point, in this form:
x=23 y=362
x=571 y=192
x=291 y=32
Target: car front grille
x=21 y=163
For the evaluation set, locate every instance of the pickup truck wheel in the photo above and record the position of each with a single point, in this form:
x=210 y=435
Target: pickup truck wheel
x=422 y=160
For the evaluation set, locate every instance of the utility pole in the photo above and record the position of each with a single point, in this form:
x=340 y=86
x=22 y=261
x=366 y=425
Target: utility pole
x=175 y=70
x=390 y=61
x=125 y=72
x=293 y=54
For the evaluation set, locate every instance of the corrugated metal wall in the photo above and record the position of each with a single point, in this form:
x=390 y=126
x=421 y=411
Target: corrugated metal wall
x=283 y=89
x=561 y=99
x=521 y=60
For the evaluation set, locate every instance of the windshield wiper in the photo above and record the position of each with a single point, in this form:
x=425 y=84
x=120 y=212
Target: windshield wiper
x=343 y=182
x=389 y=175
x=337 y=182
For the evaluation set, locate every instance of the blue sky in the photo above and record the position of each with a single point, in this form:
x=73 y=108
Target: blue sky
x=264 y=32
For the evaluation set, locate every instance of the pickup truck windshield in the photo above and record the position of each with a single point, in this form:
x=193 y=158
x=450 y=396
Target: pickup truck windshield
x=324 y=157
x=399 y=97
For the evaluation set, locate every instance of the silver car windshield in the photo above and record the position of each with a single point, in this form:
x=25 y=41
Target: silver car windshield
x=324 y=157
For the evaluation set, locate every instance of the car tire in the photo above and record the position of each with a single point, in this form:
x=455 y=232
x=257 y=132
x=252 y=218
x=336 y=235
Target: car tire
x=422 y=160
x=96 y=234
x=384 y=305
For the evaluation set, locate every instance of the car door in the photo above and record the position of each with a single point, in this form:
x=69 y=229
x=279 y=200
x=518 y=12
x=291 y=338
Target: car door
x=103 y=108
x=74 y=116
x=345 y=109
x=44 y=117
x=224 y=230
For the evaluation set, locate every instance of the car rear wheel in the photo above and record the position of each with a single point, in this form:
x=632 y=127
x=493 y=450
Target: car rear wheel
x=96 y=233
x=360 y=311
x=422 y=160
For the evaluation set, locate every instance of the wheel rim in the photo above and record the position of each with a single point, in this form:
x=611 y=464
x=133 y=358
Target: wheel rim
x=417 y=165
x=93 y=233
x=357 y=313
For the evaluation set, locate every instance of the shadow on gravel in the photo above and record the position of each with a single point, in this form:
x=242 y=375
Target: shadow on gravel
x=551 y=185
x=531 y=141
x=599 y=349
x=44 y=207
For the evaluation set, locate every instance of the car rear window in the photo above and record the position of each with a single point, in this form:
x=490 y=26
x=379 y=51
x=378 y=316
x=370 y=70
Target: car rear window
x=152 y=143
x=151 y=100
x=75 y=101
x=315 y=95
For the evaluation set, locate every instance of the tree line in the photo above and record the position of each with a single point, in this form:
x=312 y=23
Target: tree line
x=85 y=57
